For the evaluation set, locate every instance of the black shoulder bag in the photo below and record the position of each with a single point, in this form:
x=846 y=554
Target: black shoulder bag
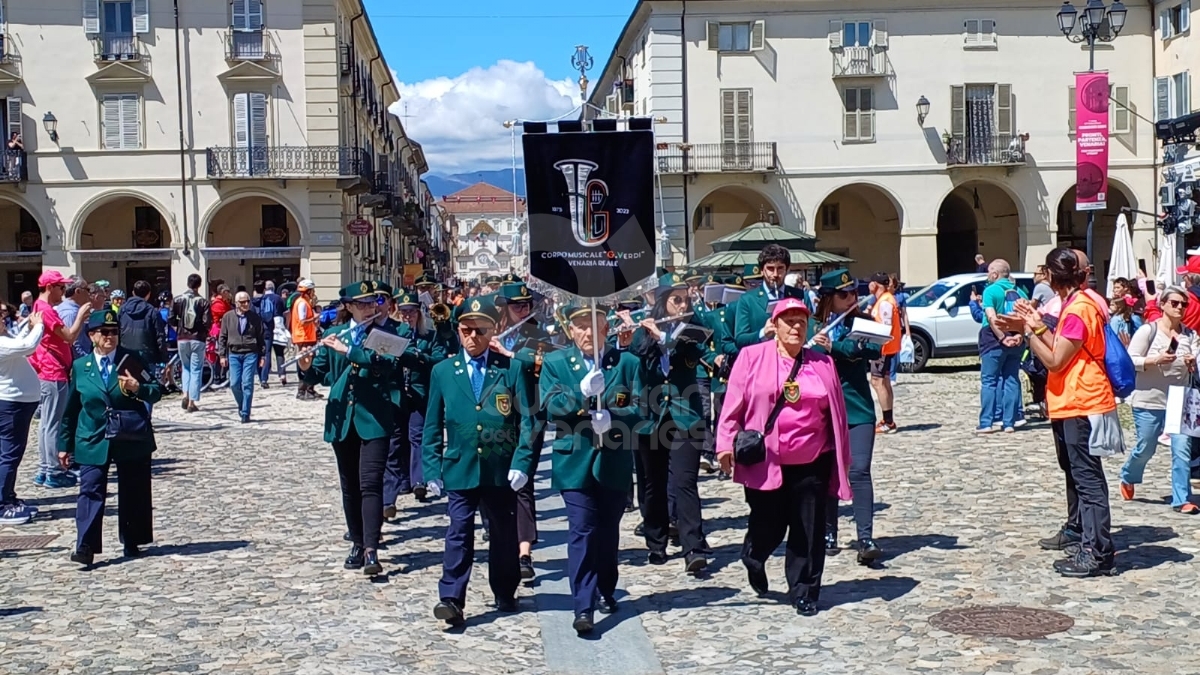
x=125 y=426
x=749 y=446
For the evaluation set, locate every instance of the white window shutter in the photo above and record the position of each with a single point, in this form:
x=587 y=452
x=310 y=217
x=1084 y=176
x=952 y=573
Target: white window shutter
x=1185 y=16
x=91 y=16
x=238 y=19
x=241 y=120
x=745 y=117
x=13 y=116
x=131 y=124
x=851 y=131
x=971 y=32
x=728 y=116
x=1162 y=98
x=835 y=34
x=1121 y=117
x=141 y=16
x=958 y=110
x=714 y=35
x=1004 y=110
x=1071 y=102
x=111 y=111
x=258 y=120
x=866 y=125
x=758 y=36
x=254 y=15
x=1164 y=24
x=987 y=29
x=879 y=33
x=1185 y=97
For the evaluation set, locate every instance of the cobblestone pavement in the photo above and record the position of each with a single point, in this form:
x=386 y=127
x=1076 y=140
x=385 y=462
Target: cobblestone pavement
x=246 y=573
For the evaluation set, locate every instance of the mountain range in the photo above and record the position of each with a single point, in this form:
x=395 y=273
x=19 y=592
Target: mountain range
x=442 y=185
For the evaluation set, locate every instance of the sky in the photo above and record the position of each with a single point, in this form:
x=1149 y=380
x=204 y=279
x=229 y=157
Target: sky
x=466 y=66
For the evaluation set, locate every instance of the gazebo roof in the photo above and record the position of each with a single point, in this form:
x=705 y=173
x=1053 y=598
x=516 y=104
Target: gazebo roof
x=738 y=259
x=754 y=237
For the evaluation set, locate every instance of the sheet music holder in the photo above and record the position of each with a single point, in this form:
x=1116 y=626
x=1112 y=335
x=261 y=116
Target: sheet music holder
x=870 y=331
x=131 y=366
x=425 y=298
x=545 y=345
x=730 y=295
x=691 y=331
x=714 y=294
x=385 y=344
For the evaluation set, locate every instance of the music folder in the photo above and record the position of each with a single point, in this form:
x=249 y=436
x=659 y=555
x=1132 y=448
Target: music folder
x=385 y=344
x=869 y=331
x=545 y=345
x=131 y=366
x=691 y=331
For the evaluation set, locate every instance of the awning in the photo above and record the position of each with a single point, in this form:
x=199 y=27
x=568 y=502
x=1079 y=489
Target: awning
x=251 y=252
x=739 y=259
x=124 y=254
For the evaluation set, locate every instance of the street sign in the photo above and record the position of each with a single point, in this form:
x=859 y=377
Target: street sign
x=359 y=227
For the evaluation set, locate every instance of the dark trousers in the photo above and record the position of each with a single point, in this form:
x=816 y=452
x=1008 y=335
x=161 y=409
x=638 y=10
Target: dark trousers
x=504 y=572
x=1087 y=489
x=404 y=455
x=638 y=488
x=796 y=509
x=279 y=352
x=15 y=419
x=265 y=371
x=671 y=465
x=862 y=447
x=360 y=471
x=1037 y=383
x=593 y=542
x=135 y=515
x=526 y=502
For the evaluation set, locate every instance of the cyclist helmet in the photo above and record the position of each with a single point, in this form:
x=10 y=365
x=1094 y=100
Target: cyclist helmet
x=164 y=297
x=118 y=294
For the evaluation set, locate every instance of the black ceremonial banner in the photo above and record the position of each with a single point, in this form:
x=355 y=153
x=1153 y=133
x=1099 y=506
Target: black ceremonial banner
x=591 y=209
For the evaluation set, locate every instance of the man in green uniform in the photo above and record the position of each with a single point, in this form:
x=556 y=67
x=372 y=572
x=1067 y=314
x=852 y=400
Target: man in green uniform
x=593 y=403
x=752 y=311
x=474 y=424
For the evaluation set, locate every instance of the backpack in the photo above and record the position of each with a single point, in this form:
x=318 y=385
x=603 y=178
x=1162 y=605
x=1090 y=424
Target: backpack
x=190 y=315
x=1118 y=366
x=287 y=316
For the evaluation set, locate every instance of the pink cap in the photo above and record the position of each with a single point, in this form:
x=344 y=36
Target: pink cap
x=50 y=278
x=788 y=305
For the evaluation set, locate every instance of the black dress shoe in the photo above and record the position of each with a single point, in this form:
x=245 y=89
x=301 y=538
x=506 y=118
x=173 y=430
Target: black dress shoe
x=371 y=565
x=506 y=605
x=805 y=607
x=347 y=537
x=868 y=551
x=83 y=555
x=673 y=534
x=757 y=577
x=584 y=623
x=527 y=571
x=640 y=530
x=831 y=547
x=132 y=552
x=695 y=563
x=354 y=561
x=450 y=612
x=657 y=558
x=389 y=512
x=607 y=605
x=419 y=492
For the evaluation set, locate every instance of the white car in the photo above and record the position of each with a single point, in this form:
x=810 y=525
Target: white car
x=940 y=316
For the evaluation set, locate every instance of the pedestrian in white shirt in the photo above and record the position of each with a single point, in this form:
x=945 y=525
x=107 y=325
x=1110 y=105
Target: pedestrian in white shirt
x=20 y=393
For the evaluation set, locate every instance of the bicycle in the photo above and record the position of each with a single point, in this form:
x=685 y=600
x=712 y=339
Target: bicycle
x=172 y=375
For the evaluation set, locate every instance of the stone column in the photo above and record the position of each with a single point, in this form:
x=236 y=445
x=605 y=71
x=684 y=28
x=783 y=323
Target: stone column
x=918 y=257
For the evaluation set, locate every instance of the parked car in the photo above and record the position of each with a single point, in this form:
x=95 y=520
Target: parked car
x=940 y=316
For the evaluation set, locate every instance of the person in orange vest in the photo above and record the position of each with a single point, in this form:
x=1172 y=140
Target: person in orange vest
x=304 y=324
x=887 y=312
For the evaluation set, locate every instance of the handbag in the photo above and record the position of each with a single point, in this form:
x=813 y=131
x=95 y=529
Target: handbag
x=125 y=426
x=750 y=446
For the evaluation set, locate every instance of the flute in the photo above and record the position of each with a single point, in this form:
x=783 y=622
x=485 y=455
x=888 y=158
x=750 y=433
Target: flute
x=313 y=349
x=667 y=319
x=511 y=329
x=832 y=324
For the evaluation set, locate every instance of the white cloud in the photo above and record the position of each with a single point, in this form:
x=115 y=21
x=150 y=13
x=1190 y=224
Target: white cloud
x=459 y=121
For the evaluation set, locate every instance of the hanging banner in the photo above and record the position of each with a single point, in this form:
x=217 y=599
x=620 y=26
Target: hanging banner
x=1091 y=141
x=411 y=272
x=591 y=210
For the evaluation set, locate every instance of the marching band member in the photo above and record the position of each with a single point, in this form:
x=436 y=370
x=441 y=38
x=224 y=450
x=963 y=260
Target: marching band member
x=592 y=459
x=713 y=318
x=477 y=397
x=672 y=458
x=515 y=305
x=754 y=323
x=492 y=284
x=359 y=416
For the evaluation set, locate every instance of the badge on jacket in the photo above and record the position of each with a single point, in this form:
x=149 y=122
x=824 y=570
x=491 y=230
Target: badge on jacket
x=503 y=404
x=791 y=392
x=622 y=399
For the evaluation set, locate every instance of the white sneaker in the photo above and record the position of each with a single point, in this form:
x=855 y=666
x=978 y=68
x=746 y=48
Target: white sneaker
x=1020 y=423
x=1165 y=439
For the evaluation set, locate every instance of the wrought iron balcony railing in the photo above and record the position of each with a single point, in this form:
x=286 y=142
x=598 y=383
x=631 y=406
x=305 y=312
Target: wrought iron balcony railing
x=117 y=47
x=861 y=62
x=288 y=162
x=249 y=46
x=985 y=149
x=14 y=168
x=8 y=52
x=679 y=158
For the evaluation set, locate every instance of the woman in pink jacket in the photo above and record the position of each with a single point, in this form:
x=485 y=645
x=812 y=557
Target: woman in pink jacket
x=807 y=458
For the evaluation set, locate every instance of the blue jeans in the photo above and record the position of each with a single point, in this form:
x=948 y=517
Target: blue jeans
x=191 y=362
x=999 y=376
x=242 y=370
x=1149 y=425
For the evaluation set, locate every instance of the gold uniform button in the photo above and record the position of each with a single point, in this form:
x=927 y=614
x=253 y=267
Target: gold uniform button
x=478 y=408
x=478 y=427
x=666 y=398
x=481 y=451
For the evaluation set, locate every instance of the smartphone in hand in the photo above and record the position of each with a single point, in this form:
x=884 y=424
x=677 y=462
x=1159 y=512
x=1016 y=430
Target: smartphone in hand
x=1171 y=348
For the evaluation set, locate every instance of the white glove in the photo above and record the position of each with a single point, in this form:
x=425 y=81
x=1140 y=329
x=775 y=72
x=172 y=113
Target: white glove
x=433 y=488
x=601 y=421
x=517 y=479
x=592 y=384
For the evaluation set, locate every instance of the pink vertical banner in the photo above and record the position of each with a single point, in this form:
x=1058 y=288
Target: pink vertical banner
x=1091 y=141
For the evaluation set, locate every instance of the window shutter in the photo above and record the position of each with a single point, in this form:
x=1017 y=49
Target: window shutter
x=758 y=33
x=239 y=21
x=958 y=111
x=714 y=35
x=1122 y=122
x=835 y=34
x=258 y=120
x=131 y=127
x=1162 y=98
x=112 y=122
x=1 y=12
x=1004 y=109
x=13 y=117
x=91 y=16
x=1164 y=24
x=1185 y=16
x=729 y=116
x=850 y=133
x=866 y=125
x=879 y=34
x=971 y=30
x=987 y=28
x=241 y=120
x=254 y=15
x=744 y=130
x=141 y=16
x=1071 y=102
x=1185 y=97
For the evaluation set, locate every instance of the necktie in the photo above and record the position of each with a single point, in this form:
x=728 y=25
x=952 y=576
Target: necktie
x=105 y=368
x=477 y=377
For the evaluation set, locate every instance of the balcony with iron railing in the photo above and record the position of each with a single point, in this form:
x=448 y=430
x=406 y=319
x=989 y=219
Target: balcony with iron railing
x=686 y=158
x=117 y=47
x=289 y=162
x=976 y=149
x=853 y=62
x=249 y=46
x=8 y=52
x=14 y=168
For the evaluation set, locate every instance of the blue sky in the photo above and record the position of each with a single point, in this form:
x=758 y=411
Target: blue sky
x=465 y=66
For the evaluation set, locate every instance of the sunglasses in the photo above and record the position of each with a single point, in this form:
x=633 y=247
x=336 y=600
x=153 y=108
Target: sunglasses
x=109 y=332
x=1178 y=303
x=469 y=331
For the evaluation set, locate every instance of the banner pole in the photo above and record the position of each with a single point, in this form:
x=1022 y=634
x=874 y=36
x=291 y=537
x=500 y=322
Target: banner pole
x=596 y=337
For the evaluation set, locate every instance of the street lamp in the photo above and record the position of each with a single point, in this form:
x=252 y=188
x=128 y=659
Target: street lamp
x=1090 y=23
x=50 y=123
x=581 y=60
x=922 y=110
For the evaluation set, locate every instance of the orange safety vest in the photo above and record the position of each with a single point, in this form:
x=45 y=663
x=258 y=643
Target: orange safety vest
x=303 y=332
x=893 y=346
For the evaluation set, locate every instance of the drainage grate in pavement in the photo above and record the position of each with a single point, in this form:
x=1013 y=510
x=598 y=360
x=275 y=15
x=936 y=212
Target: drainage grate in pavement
x=25 y=542
x=1018 y=623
